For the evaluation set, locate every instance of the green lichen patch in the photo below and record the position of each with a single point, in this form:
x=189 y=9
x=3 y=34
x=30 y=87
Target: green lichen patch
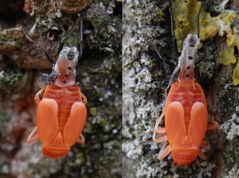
x=11 y=39
x=227 y=56
x=9 y=80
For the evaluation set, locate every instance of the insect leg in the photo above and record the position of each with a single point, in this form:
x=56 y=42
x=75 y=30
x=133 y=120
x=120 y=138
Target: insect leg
x=81 y=139
x=173 y=76
x=75 y=123
x=158 y=129
x=202 y=155
x=37 y=96
x=162 y=154
x=160 y=139
x=84 y=99
x=212 y=125
x=205 y=145
x=33 y=136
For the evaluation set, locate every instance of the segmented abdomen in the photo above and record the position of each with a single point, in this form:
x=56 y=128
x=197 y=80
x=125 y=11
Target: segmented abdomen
x=65 y=97
x=187 y=94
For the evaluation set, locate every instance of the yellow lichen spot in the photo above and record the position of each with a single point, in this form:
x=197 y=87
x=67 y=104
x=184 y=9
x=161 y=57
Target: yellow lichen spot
x=230 y=38
x=236 y=74
x=233 y=38
x=227 y=56
x=208 y=26
x=185 y=15
x=211 y=26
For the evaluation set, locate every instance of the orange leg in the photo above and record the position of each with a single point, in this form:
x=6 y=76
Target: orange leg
x=157 y=128
x=84 y=99
x=205 y=145
x=212 y=125
x=37 y=96
x=81 y=139
x=160 y=139
x=47 y=120
x=162 y=154
x=160 y=130
x=75 y=124
x=33 y=136
x=202 y=155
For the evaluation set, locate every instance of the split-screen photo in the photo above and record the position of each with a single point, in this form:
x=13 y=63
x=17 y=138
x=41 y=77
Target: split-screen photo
x=120 y=88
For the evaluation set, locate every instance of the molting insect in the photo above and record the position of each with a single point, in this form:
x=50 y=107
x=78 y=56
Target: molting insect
x=61 y=111
x=186 y=115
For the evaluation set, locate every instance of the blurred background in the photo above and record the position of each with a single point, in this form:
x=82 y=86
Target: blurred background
x=24 y=27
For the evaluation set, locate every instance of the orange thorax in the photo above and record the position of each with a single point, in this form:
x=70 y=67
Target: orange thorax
x=65 y=97
x=187 y=92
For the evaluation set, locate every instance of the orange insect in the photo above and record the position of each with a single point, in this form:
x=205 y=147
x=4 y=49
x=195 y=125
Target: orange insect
x=186 y=115
x=61 y=112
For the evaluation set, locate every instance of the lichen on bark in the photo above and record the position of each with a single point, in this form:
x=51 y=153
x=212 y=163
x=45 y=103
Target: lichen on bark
x=98 y=74
x=145 y=79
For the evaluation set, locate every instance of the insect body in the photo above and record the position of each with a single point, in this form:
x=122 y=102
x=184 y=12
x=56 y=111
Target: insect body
x=61 y=112
x=186 y=115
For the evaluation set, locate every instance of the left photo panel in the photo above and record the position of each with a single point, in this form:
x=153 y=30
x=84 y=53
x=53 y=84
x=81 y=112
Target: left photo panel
x=60 y=88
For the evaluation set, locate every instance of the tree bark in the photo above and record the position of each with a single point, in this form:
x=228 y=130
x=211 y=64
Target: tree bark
x=22 y=63
x=145 y=78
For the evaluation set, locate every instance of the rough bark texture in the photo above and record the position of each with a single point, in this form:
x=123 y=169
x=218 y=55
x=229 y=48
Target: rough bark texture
x=145 y=77
x=99 y=74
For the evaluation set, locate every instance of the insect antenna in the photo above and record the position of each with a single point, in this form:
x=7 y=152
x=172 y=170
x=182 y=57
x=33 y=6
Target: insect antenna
x=175 y=48
x=48 y=56
x=66 y=36
x=158 y=53
x=198 y=32
x=80 y=44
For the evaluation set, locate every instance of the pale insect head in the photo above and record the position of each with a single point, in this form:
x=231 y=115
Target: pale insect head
x=66 y=63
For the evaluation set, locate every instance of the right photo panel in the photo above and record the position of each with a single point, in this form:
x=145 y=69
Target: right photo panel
x=180 y=89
